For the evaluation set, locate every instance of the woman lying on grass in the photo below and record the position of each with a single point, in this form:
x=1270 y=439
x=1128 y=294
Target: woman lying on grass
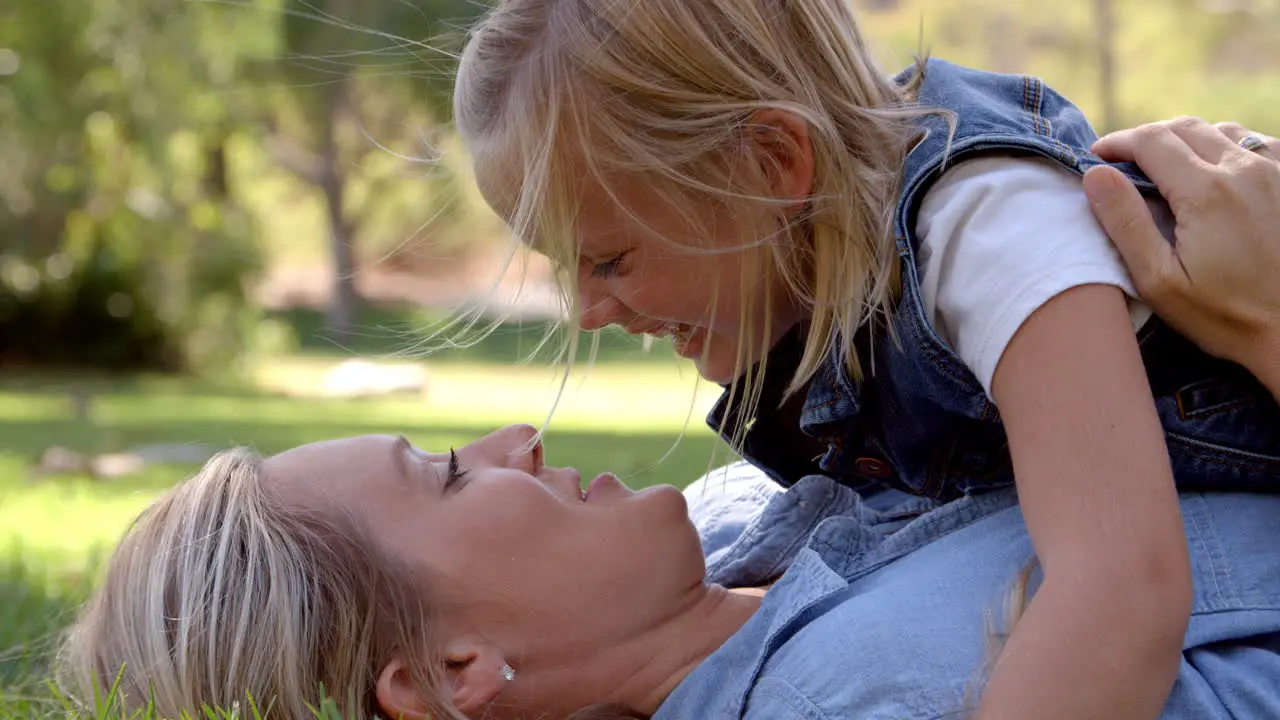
x=485 y=583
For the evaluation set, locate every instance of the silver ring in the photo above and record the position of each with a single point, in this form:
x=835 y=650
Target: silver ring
x=1253 y=143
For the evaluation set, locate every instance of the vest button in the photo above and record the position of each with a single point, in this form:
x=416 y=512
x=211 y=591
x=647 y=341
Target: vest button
x=873 y=468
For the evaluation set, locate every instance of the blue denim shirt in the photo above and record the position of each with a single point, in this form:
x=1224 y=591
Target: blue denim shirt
x=880 y=605
x=922 y=422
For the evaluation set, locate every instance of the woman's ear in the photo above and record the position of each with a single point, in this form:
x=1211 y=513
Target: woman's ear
x=473 y=674
x=398 y=695
x=780 y=142
x=475 y=671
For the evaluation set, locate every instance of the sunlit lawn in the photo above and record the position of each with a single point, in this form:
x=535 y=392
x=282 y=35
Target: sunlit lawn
x=642 y=421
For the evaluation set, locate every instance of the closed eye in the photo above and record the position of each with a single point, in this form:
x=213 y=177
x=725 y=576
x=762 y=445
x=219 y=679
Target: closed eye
x=609 y=268
x=456 y=474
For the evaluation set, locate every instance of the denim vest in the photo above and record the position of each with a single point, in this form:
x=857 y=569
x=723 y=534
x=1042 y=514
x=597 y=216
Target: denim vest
x=922 y=422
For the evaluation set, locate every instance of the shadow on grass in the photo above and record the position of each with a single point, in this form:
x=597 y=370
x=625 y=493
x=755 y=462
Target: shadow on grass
x=388 y=330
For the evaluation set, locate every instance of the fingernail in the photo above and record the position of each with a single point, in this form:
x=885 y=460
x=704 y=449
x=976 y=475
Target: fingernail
x=1097 y=183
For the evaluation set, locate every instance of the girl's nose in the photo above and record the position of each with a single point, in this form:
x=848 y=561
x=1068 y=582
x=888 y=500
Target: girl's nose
x=598 y=308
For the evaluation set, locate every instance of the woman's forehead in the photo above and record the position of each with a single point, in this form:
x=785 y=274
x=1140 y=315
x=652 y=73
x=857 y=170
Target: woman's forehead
x=329 y=472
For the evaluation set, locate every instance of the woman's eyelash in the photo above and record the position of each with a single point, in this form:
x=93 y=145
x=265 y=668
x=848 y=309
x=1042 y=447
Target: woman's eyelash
x=609 y=268
x=456 y=474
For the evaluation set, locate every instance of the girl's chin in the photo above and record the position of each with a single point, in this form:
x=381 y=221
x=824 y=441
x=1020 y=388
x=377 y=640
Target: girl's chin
x=716 y=360
x=717 y=370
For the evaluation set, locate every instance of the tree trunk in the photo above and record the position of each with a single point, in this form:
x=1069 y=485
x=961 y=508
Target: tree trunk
x=1104 y=19
x=344 y=299
x=216 y=180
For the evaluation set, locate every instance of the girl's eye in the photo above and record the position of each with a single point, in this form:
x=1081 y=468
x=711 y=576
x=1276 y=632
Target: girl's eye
x=456 y=474
x=609 y=268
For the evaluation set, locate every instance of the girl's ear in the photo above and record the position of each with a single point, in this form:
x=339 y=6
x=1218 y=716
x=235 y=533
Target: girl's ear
x=780 y=142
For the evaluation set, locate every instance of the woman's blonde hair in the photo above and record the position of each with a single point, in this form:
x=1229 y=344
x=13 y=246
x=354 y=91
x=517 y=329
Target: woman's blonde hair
x=220 y=593
x=663 y=93
x=1000 y=624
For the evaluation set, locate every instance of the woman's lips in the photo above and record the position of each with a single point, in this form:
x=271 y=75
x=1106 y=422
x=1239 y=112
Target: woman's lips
x=597 y=485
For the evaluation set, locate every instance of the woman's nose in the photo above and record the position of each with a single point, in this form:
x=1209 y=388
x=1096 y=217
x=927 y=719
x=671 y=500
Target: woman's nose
x=523 y=446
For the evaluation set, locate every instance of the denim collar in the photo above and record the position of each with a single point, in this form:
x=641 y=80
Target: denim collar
x=784 y=437
x=770 y=543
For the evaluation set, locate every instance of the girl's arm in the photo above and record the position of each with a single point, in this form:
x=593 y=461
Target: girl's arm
x=1102 y=637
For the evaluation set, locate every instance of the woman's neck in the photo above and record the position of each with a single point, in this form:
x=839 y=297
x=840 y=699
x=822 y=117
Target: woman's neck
x=642 y=672
x=690 y=639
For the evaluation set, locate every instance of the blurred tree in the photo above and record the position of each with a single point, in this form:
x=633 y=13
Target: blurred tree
x=1215 y=58
x=123 y=238
x=1105 y=25
x=121 y=244
x=360 y=80
x=134 y=136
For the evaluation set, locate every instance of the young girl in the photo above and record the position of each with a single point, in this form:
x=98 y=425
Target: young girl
x=899 y=277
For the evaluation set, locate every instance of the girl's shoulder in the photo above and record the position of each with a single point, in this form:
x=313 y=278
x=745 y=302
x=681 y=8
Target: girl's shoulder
x=979 y=105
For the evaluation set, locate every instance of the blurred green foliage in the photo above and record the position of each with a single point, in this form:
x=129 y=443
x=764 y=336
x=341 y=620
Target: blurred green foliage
x=122 y=244
x=126 y=237
x=158 y=157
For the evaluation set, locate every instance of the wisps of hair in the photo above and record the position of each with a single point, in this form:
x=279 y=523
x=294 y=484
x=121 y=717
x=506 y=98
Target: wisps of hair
x=663 y=95
x=999 y=629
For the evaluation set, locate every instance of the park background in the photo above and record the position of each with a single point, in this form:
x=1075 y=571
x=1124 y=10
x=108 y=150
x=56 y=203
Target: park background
x=232 y=222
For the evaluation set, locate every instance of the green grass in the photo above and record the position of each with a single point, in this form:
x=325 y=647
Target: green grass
x=643 y=421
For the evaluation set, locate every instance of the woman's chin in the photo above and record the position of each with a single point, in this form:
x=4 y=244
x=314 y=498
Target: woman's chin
x=666 y=499
x=666 y=507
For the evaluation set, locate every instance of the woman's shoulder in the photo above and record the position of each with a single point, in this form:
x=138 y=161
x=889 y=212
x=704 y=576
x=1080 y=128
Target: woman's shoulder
x=907 y=636
x=869 y=649
x=724 y=502
x=751 y=528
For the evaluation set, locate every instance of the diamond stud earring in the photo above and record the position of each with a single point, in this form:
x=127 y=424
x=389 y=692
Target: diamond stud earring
x=508 y=673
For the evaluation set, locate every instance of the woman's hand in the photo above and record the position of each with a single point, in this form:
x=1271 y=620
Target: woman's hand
x=1220 y=283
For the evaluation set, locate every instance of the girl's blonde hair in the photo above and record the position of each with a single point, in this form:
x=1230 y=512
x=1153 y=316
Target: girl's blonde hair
x=221 y=595
x=663 y=93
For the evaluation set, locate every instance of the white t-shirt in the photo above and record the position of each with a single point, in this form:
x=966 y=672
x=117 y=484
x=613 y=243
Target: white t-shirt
x=999 y=238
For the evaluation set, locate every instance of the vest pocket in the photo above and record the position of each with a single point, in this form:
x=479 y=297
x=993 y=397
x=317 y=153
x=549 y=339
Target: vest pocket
x=1207 y=398
x=1223 y=434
